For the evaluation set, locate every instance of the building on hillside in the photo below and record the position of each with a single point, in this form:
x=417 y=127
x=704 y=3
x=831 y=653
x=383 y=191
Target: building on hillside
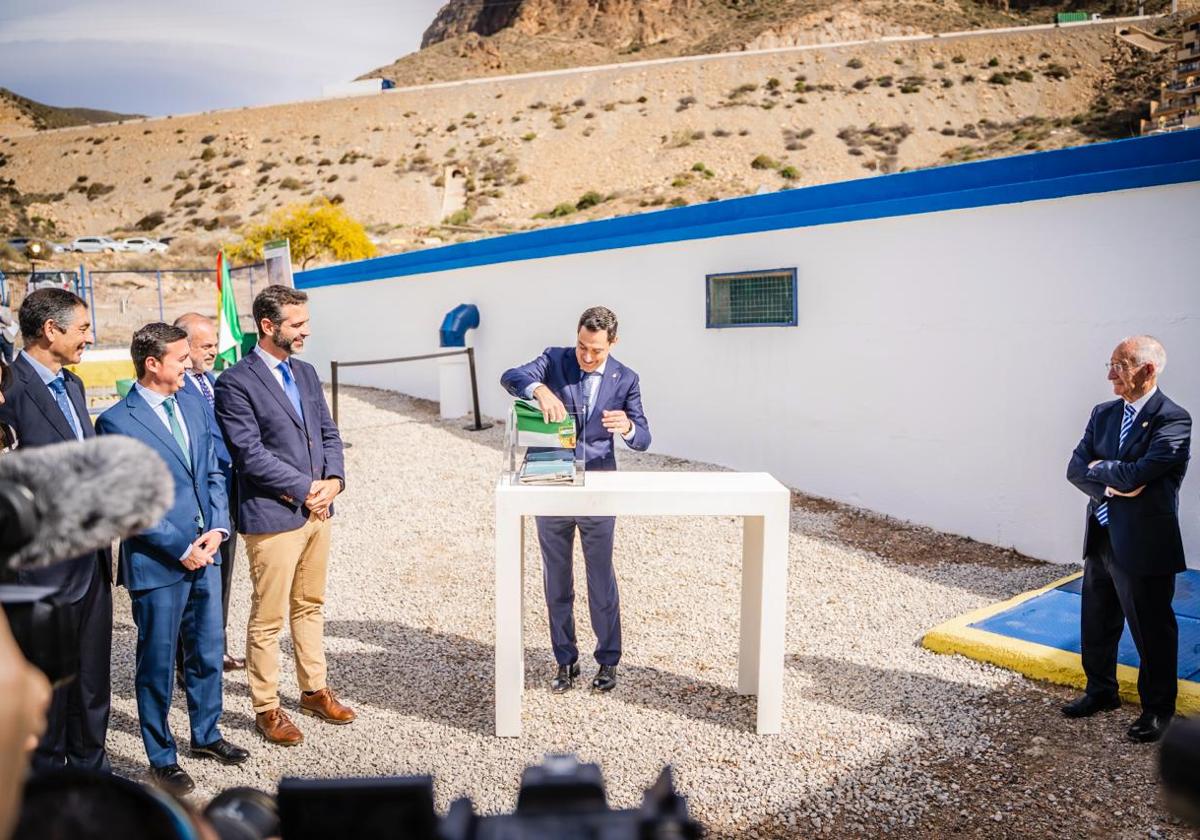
x=925 y=344
x=1178 y=106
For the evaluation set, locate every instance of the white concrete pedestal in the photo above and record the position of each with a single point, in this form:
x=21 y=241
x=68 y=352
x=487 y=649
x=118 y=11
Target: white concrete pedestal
x=454 y=387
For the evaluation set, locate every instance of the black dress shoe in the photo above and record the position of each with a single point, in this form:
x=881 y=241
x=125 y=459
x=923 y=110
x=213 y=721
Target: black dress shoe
x=1090 y=704
x=1149 y=727
x=173 y=779
x=222 y=751
x=605 y=679
x=564 y=678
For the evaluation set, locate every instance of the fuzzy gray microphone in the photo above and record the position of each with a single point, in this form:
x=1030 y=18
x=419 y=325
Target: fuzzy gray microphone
x=65 y=500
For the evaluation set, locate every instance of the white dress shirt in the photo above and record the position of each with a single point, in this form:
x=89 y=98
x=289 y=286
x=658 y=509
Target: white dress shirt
x=155 y=400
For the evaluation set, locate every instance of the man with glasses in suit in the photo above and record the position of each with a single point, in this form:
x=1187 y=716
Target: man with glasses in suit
x=200 y=381
x=1130 y=464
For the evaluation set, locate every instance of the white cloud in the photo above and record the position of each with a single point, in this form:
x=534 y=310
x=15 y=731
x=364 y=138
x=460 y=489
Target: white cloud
x=286 y=48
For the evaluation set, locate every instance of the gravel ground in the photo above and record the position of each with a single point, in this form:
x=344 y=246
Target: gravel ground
x=880 y=736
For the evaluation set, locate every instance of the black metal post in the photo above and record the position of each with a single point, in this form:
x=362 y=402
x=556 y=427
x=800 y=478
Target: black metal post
x=478 y=427
x=333 y=381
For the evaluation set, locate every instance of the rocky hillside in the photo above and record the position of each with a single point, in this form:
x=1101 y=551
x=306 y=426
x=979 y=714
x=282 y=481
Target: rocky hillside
x=471 y=38
x=455 y=162
x=18 y=112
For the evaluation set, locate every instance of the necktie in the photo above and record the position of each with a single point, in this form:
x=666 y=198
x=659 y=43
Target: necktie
x=1126 y=425
x=59 y=387
x=589 y=396
x=202 y=381
x=177 y=432
x=176 y=429
x=289 y=388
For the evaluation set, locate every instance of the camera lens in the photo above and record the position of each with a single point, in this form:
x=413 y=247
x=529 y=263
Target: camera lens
x=243 y=813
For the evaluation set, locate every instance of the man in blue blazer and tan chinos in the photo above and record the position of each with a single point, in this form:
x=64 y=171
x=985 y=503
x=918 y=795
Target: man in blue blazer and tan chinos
x=172 y=569
x=584 y=380
x=1130 y=464
x=287 y=455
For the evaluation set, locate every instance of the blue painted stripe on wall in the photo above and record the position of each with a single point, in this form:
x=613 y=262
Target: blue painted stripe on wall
x=1101 y=167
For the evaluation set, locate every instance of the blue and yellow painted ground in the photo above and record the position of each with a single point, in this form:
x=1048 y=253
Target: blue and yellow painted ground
x=1037 y=634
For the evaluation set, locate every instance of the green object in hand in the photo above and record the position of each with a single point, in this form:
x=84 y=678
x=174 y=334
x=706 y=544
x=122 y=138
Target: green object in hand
x=532 y=430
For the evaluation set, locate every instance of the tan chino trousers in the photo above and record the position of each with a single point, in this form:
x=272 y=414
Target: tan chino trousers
x=287 y=571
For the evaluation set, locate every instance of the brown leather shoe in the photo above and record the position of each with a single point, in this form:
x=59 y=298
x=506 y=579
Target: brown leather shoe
x=324 y=705
x=277 y=727
x=233 y=663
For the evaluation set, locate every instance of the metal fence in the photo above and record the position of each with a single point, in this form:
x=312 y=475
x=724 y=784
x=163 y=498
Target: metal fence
x=121 y=300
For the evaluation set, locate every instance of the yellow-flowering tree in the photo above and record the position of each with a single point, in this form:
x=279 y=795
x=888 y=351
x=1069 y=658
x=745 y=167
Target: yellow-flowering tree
x=319 y=228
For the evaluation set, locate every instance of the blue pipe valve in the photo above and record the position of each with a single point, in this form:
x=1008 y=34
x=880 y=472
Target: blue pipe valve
x=458 y=320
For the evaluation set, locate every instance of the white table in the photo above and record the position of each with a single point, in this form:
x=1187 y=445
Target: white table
x=762 y=501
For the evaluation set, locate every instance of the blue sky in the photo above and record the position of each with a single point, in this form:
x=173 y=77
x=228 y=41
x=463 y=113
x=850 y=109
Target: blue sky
x=172 y=57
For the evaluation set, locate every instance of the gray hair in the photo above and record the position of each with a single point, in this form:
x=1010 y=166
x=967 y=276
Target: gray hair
x=1146 y=349
x=188 y=319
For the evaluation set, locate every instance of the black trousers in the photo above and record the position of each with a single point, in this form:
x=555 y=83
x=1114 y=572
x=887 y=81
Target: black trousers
x=1113 y=596
x=77 y=720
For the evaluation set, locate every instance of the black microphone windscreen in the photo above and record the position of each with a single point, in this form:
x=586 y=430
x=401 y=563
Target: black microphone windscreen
x=87 y=494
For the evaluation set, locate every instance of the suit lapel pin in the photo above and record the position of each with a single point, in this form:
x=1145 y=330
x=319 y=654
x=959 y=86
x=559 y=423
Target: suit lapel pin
x=1145 y=423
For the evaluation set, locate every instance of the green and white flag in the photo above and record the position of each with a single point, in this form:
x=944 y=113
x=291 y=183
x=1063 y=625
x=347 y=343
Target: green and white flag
x=532 y=430
x=229 y=329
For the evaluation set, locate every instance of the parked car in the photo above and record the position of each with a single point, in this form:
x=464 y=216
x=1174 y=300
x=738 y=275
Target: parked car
x=19 y=243
x=51 y=280
x=95 y=245
x=143 y=245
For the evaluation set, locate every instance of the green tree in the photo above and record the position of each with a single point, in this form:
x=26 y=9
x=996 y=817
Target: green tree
x=319 y=228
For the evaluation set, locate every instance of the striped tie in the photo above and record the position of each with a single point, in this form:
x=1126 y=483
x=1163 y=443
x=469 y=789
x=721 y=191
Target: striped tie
x=1126 y=425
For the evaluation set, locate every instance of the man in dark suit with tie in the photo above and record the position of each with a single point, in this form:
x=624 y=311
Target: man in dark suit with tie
x=45 y=405
x=585 y=381
x=172 y=569
x=1130 y=463
x=199 y=380
x=288 y=458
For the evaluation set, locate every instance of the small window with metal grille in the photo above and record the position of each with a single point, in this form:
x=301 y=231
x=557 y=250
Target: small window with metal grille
x=752 y=299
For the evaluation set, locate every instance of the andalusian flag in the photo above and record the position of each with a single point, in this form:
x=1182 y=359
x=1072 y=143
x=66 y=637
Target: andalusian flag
x=229 y=329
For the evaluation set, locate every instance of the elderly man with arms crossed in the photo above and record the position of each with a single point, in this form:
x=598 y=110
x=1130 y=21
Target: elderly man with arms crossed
x=1130 y=464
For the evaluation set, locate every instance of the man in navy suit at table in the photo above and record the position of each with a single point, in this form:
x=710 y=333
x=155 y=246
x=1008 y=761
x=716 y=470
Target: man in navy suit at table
x=584 y=380
x=172 y=569
x=1130 y=463
x=46 y=405
x=200 y=381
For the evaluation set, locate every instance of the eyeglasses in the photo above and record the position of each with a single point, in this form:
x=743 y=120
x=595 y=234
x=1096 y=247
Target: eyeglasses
x=1120 y=367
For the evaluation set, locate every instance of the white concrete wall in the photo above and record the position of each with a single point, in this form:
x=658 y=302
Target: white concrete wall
x=942 y=371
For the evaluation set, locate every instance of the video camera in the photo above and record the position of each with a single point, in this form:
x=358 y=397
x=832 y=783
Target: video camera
x=560 y=799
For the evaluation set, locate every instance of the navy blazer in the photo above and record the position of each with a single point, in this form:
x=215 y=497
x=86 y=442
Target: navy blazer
x=558 y=369
x=30 y=408
x=223 y=456
x=1144 y=530
x=276 y=456
x=150 y=559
